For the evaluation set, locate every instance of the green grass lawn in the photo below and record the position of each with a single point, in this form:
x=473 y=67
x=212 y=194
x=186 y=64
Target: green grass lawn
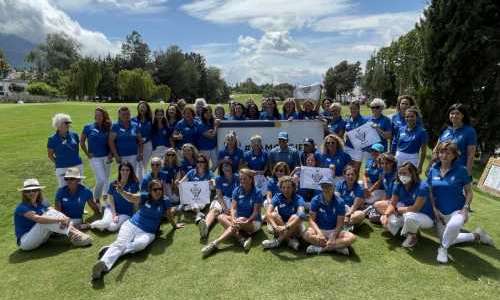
x=172 y=267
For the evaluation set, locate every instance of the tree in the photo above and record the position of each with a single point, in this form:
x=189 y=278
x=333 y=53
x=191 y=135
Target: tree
x=108 y=86
x=169 y=69
x=84 y=77
x=135 y=84
x=135 y=52
x=41 y=89
x=4 y=65
x=162 y=92
x=59 y=51
x=342 y=78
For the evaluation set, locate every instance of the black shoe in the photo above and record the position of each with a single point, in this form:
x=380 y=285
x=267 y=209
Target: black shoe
x=102 y=251
x=98 y=270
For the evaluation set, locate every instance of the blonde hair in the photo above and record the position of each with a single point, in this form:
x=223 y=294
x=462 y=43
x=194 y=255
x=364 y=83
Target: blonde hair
x=338 y=141
x=378 y=102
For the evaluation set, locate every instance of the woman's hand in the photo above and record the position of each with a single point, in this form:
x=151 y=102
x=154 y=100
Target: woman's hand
x=115 y=219
x=64 y=222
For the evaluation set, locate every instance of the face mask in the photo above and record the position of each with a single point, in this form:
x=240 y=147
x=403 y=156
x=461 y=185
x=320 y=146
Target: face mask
x=404 y=179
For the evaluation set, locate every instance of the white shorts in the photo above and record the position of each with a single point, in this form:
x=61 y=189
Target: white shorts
x=401 y=157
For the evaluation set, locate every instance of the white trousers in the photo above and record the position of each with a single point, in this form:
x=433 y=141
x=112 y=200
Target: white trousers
x=130 y=239
x=61 y=171
x=212 y=157
x=449 y=233
x=142 y=166
x=106 y=223
x=40 y=233
x=413 y=221
x=132 y=159
x=401 y=157
x=159 y=152
x=102 y=169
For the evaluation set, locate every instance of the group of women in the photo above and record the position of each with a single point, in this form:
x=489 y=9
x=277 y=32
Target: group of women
x=158 y=150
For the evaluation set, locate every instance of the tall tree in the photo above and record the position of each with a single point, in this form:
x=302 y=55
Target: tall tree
x=135 y=84
x=135 y=52
x=342 y=78
x=4 y=65
x=84 y=77
x=59 y=51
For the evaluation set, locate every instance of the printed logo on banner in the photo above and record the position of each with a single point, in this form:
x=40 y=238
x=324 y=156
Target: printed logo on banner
x=196 y=190
x=317 y=176
x=310 y=177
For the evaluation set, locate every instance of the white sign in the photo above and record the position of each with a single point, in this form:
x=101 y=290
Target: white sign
x=493 y=178
x=312 y=92
x=195 y=193
x=310 y=177
x=363 y=136
x=261 y=183
x=297 y=130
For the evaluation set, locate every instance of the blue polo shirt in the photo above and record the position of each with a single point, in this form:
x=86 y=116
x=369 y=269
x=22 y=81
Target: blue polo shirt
x=161 y=137
x=272 y=185
x=171 y=171
x=372 y=170
x=327 y=213
x=164 y=177
x=287 y=209
x=65 y=149
x=448 y=190
x=264 y=115
x=186 y=166
x=256 y=162
x=72 y=205
x=388 y=182
x=97 y=139
x=308 y=115
x=246 y=202
x=190 y=132
x=236 y=156
x=464 y=137
x=150 y=213
x=385 y=124
x=144 y=128
x=340 y=159
x=349 y=195
x=126 y=138
x=294 y=116
x=410 y=141
x=408 y=198
x=22 y=224
x=290 y=155
x=353 y=124
x=203 y=142
x=308 y=194
x=122 y=206
x=226 y=187
x=337 y=126
x=193 y=175
x=398 y=121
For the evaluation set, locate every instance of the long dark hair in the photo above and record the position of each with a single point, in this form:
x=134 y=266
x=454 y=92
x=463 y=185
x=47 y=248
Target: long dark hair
x=149 y=113
x=252 y=105
x=156 y=122
x=131 y=175
x=27 y=199
x=462 y=109
x=106 y=122
x=204 y=120
x=276 y=113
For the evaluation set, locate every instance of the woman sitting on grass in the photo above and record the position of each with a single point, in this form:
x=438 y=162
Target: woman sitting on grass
x=285 y=216
x=326 y=220
x=118 y=210
x=244 y=219
x=353 y=195
x=34 y=221
x=140 y=230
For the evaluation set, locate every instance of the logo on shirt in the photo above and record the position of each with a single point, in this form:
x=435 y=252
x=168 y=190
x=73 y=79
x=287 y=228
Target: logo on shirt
x=65 y=199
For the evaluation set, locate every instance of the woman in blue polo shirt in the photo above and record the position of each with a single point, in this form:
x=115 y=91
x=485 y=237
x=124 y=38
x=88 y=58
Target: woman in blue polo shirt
x=460 y=132
x=244 y=218
x=220 y=112
x=96 y=135
x=354 y=121
x=389 y=170
x=34 y=222
x=309 y=110
x=253 y=112
x=452 y=194
x=333 y=156
x=160 y=134
x=306 y=194
x=353 y=195
x=174 y=115
x=231 y=151
x=279 y=170
x=224 y=187
x=118 y=210
x=187 y=129
x=171 y=168
x=144 y=121
x=63 y=147
x=207 y=142
x=125 y=140
x=372 y=181
x=380 y=122
x=411 y=141
x=71 y=198
x=238 y=112
x=289 y=110
x=410 y=206
x=140 y=230
x=285 y=216
x=337 y=124
x=257 y=159
x=158 y=174
x=270 y=110
x=189 y=155
x=398 y=119
x=326 y=220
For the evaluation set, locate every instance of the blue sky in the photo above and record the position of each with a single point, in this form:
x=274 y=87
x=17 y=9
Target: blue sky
x=268 y=40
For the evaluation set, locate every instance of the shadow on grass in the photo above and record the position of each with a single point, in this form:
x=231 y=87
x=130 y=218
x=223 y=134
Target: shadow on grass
x=233 y=246
x=364 y=230
x=53 y=247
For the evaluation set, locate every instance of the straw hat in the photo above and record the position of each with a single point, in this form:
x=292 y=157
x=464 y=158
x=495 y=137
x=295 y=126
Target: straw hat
x=31 y=184
x=73 y=173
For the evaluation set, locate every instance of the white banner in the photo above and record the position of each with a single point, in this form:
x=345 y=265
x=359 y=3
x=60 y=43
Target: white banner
x=195 y=193
x=312 y=92
x=297 y=130
x=310 y=177
x=363 y=136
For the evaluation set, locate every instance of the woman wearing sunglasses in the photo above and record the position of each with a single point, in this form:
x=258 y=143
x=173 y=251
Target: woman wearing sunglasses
x=380 y=122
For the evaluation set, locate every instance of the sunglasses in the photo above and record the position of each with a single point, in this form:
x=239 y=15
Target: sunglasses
x=71 y=179
x=280 y=170
x=31 y=191
x=171 y=154
x=67 y=123
x=157 y=189
x=330 y=143
x=156 y=165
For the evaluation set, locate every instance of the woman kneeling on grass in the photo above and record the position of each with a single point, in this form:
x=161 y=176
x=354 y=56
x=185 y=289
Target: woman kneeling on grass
x=34 y=222
x=326 y=219
x=140 y=230
x=244 y=219
x=410 y=206
x=285 y=216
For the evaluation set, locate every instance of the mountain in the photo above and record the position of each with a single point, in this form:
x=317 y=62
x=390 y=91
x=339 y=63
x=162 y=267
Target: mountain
x=15 y=49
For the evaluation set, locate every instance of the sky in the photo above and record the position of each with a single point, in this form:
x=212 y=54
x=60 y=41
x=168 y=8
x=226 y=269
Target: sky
x=271 y=41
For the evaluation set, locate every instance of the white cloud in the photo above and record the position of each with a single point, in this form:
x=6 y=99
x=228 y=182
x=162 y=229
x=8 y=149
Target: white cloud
x=34 y=19
x=131 y=6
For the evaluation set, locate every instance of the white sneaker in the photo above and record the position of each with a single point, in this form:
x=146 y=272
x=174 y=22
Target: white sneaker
x=442 y=256
x=208 y=249
x=484 y=237
x=343 y=251
x=247 y=244
x=312 y=249
x=272 y=243
x=202 y=226
x=294 y=244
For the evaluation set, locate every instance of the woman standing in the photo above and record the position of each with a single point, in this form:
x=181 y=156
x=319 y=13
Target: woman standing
x=96 y=135
x=244 y=219
x=187 y=129
x=140 y=230
x=34 y=222
x=355 y=120
x=451 y=190
x=144 y=122
x=63 y=147
x=380 y=122
x=207 y=142
x=174 y=115
x=337 y=124
x=160 y=134
x=118 y=210
x=398 y=119
x=326 y=222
